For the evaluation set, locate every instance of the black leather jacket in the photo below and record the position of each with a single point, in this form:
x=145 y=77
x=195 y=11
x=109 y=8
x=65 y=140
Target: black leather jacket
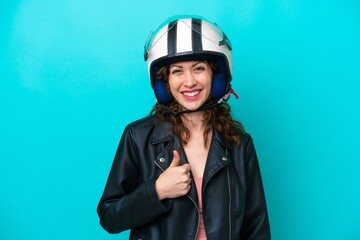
x=233 y=198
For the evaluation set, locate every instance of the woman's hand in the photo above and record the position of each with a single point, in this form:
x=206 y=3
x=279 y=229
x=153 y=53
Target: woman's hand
x=175 y=180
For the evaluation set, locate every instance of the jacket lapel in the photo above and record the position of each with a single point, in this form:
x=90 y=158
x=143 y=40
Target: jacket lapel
x=167 y=142
x=218 y=156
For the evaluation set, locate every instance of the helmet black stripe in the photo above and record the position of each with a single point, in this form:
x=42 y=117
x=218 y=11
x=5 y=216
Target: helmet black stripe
x=171 y=42
x=196 y=35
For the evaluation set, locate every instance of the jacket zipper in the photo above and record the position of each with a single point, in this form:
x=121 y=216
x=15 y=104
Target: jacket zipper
x=229 y=188
x=198 y=223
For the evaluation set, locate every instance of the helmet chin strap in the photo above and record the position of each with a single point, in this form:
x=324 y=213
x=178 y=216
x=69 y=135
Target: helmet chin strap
x=203 y=107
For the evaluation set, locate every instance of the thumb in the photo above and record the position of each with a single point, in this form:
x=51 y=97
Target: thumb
x=176 y=160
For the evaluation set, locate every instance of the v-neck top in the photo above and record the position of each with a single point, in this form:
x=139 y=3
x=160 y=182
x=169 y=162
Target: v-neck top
x=201 y=233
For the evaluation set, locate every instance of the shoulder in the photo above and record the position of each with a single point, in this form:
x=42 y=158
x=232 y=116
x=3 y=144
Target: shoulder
x=248 y=146
x=146 y=122
x=245 y=137
x=141 y=126
x=150 y=127
x=247 y=140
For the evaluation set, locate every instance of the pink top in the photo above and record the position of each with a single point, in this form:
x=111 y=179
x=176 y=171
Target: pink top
x=201 y=233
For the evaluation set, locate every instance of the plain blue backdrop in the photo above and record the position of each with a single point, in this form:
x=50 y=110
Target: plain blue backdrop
x=72 y=76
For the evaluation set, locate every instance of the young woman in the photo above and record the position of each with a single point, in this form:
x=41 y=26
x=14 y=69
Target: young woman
x=187 y=171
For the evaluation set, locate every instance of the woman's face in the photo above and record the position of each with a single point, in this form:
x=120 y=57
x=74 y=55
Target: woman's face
x=190 y=83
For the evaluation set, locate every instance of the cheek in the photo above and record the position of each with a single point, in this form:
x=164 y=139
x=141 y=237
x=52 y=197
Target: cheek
x=172 y=86
x=207 y=86
x=208 y=81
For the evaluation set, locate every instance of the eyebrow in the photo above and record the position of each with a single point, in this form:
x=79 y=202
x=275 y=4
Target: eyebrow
x=174 y=65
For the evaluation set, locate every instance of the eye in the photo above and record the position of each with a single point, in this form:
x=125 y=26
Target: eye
x=175 y=71
x=199 y=68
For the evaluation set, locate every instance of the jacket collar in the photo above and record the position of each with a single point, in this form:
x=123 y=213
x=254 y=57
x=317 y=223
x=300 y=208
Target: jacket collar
x=163 y=132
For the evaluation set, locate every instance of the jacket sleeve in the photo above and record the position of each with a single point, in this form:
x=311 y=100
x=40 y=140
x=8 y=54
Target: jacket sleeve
x=256 y=222
x=126 y=204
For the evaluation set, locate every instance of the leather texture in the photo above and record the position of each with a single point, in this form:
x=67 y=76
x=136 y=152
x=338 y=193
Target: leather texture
x=234 y=204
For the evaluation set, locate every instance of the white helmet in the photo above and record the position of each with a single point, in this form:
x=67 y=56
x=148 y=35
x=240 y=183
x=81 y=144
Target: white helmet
x=189 y=39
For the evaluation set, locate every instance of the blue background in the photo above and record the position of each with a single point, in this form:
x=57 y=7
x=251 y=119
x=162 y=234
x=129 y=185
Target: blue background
x=72 y=76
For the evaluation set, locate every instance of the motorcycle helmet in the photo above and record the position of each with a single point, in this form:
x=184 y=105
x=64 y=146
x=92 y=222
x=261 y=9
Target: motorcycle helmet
x=189 y=39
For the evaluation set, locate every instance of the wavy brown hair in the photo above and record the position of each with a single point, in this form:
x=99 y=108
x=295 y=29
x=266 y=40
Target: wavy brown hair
x=218 y=117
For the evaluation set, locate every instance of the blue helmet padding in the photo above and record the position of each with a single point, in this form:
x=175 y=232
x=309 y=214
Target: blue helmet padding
x=221 y=80
x=219 y=86
x=162 y=95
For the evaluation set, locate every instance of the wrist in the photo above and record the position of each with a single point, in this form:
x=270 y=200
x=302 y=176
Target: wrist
x=158 y=190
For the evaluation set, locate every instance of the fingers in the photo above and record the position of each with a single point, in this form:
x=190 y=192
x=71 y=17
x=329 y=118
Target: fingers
x=184 y=178
x=188 y=182
x=186 y=168
x=174 y=182
x=176 y=160
x=183 y=169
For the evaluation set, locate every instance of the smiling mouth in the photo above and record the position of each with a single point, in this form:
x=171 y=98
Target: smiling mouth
x=191 y=94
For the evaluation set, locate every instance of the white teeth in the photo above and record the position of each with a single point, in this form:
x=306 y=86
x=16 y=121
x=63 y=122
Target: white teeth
x=191 y=94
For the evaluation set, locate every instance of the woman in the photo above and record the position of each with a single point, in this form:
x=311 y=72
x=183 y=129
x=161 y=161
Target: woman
x=188 y=171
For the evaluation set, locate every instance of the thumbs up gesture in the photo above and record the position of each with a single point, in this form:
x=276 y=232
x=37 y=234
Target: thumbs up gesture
x=175 y=180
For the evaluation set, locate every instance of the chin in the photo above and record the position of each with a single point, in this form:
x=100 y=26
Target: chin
x=192 y=108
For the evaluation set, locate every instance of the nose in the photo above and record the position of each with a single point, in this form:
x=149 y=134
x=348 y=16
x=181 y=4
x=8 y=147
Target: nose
x=189 y=80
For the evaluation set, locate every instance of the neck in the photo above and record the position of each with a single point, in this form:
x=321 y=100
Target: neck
x=194 y=120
